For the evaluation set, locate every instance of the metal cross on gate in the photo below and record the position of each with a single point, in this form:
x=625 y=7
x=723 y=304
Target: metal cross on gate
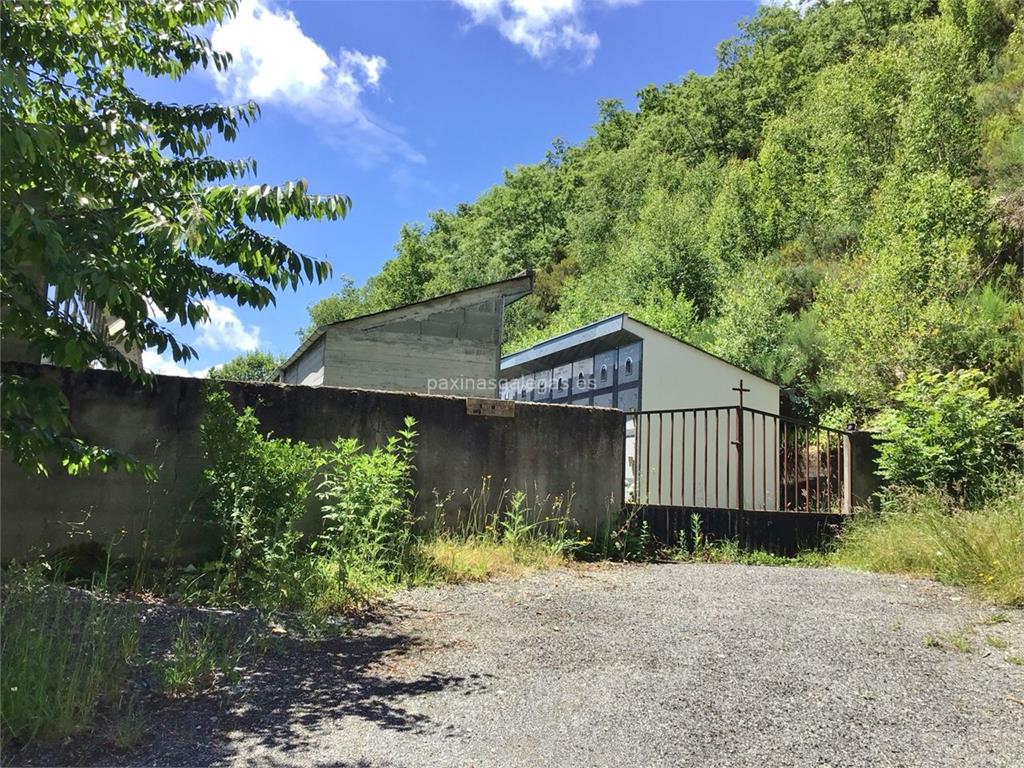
x=741 y=389
x=738 y=442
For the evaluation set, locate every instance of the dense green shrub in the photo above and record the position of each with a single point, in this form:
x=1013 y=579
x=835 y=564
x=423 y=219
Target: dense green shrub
x=366 y=502
x=947 y=431
x=255 y=489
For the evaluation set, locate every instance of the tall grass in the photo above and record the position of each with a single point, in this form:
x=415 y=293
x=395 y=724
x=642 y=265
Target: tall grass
x=929 y=534
x=64 y=654
x=501 y=537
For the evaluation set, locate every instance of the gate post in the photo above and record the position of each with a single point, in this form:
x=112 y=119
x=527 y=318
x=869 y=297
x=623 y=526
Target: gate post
x=740 y=473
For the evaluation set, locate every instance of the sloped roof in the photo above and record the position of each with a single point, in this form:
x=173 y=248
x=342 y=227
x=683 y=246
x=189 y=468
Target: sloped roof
x=596 y=337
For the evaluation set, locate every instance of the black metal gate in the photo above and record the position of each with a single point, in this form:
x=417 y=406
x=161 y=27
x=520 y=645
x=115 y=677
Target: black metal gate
x=735 y=458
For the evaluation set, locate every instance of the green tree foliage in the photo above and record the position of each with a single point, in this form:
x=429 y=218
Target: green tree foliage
x=118 y=201
x=837 y=206
x=946 y=431
x=252 y=366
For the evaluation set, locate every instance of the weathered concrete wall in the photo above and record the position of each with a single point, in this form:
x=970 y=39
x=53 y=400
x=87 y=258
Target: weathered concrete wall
x=415 y=350
x=545 y=450
x=865 y=482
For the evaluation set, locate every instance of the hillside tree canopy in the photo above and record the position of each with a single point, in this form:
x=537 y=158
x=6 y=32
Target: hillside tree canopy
x=840 y=204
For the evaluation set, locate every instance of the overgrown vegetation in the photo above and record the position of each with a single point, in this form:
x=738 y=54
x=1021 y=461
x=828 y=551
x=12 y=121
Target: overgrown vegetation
x=65 y=657
x=931 y=534
x=257 y=489
x=947 y=432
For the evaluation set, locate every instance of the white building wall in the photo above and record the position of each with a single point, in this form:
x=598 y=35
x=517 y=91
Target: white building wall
x=698 y=462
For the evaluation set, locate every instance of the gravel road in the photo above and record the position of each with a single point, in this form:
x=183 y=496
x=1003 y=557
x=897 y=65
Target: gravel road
x=705 y=665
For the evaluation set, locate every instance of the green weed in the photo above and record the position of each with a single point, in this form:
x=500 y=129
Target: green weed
x=130 y=727
x=201 y=655
x=65 y=653
x=926 y=533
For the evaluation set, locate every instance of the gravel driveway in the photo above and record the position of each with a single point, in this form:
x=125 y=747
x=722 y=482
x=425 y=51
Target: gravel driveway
x=717 y=665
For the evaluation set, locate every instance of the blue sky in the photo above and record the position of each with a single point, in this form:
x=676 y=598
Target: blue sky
x=408 y=107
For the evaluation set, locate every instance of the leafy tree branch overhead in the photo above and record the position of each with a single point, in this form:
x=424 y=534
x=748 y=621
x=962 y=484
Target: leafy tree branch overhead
x=114 y=205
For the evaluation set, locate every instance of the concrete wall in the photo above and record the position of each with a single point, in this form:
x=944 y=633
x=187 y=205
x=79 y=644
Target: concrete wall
x=452 y=348
x=308 y=369
x=544 y=450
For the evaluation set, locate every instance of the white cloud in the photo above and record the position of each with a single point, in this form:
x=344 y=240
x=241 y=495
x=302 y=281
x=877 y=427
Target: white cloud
x=154 y=362
x=544 y=28
x=275 y=62
x=370 y=66
x=224 y=330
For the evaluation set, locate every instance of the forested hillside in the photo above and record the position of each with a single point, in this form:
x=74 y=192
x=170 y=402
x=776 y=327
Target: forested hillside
x=840 y=204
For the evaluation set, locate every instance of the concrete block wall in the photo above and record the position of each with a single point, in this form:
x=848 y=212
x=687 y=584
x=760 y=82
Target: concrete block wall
x=544 y=450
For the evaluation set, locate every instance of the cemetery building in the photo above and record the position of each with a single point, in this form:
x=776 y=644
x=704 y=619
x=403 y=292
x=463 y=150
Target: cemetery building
x=620 y=362
x=448 y=345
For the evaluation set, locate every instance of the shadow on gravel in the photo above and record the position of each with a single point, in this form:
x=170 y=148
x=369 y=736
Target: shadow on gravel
x=285 y=703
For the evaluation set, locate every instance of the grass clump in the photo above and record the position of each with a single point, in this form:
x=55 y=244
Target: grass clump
x=65 y=654
x=201 y=655
x=928 y=533
x=130 y=729
x=998 y=643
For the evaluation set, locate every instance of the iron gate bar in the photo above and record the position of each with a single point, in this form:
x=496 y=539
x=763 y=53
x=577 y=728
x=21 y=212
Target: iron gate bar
x=798 y=438
x=728 y=434
x=671 y=456
x=693 y=481
x=718 y=454
x=636 y=458
x=775 y=457
x=682 y=462
x=764 y=464
x=785 y=466
x=807 y=471
x=828 y=472
x=705 y=458
x=817 y=459
x=647 y=462
x=661 y=445
x=753 y=461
